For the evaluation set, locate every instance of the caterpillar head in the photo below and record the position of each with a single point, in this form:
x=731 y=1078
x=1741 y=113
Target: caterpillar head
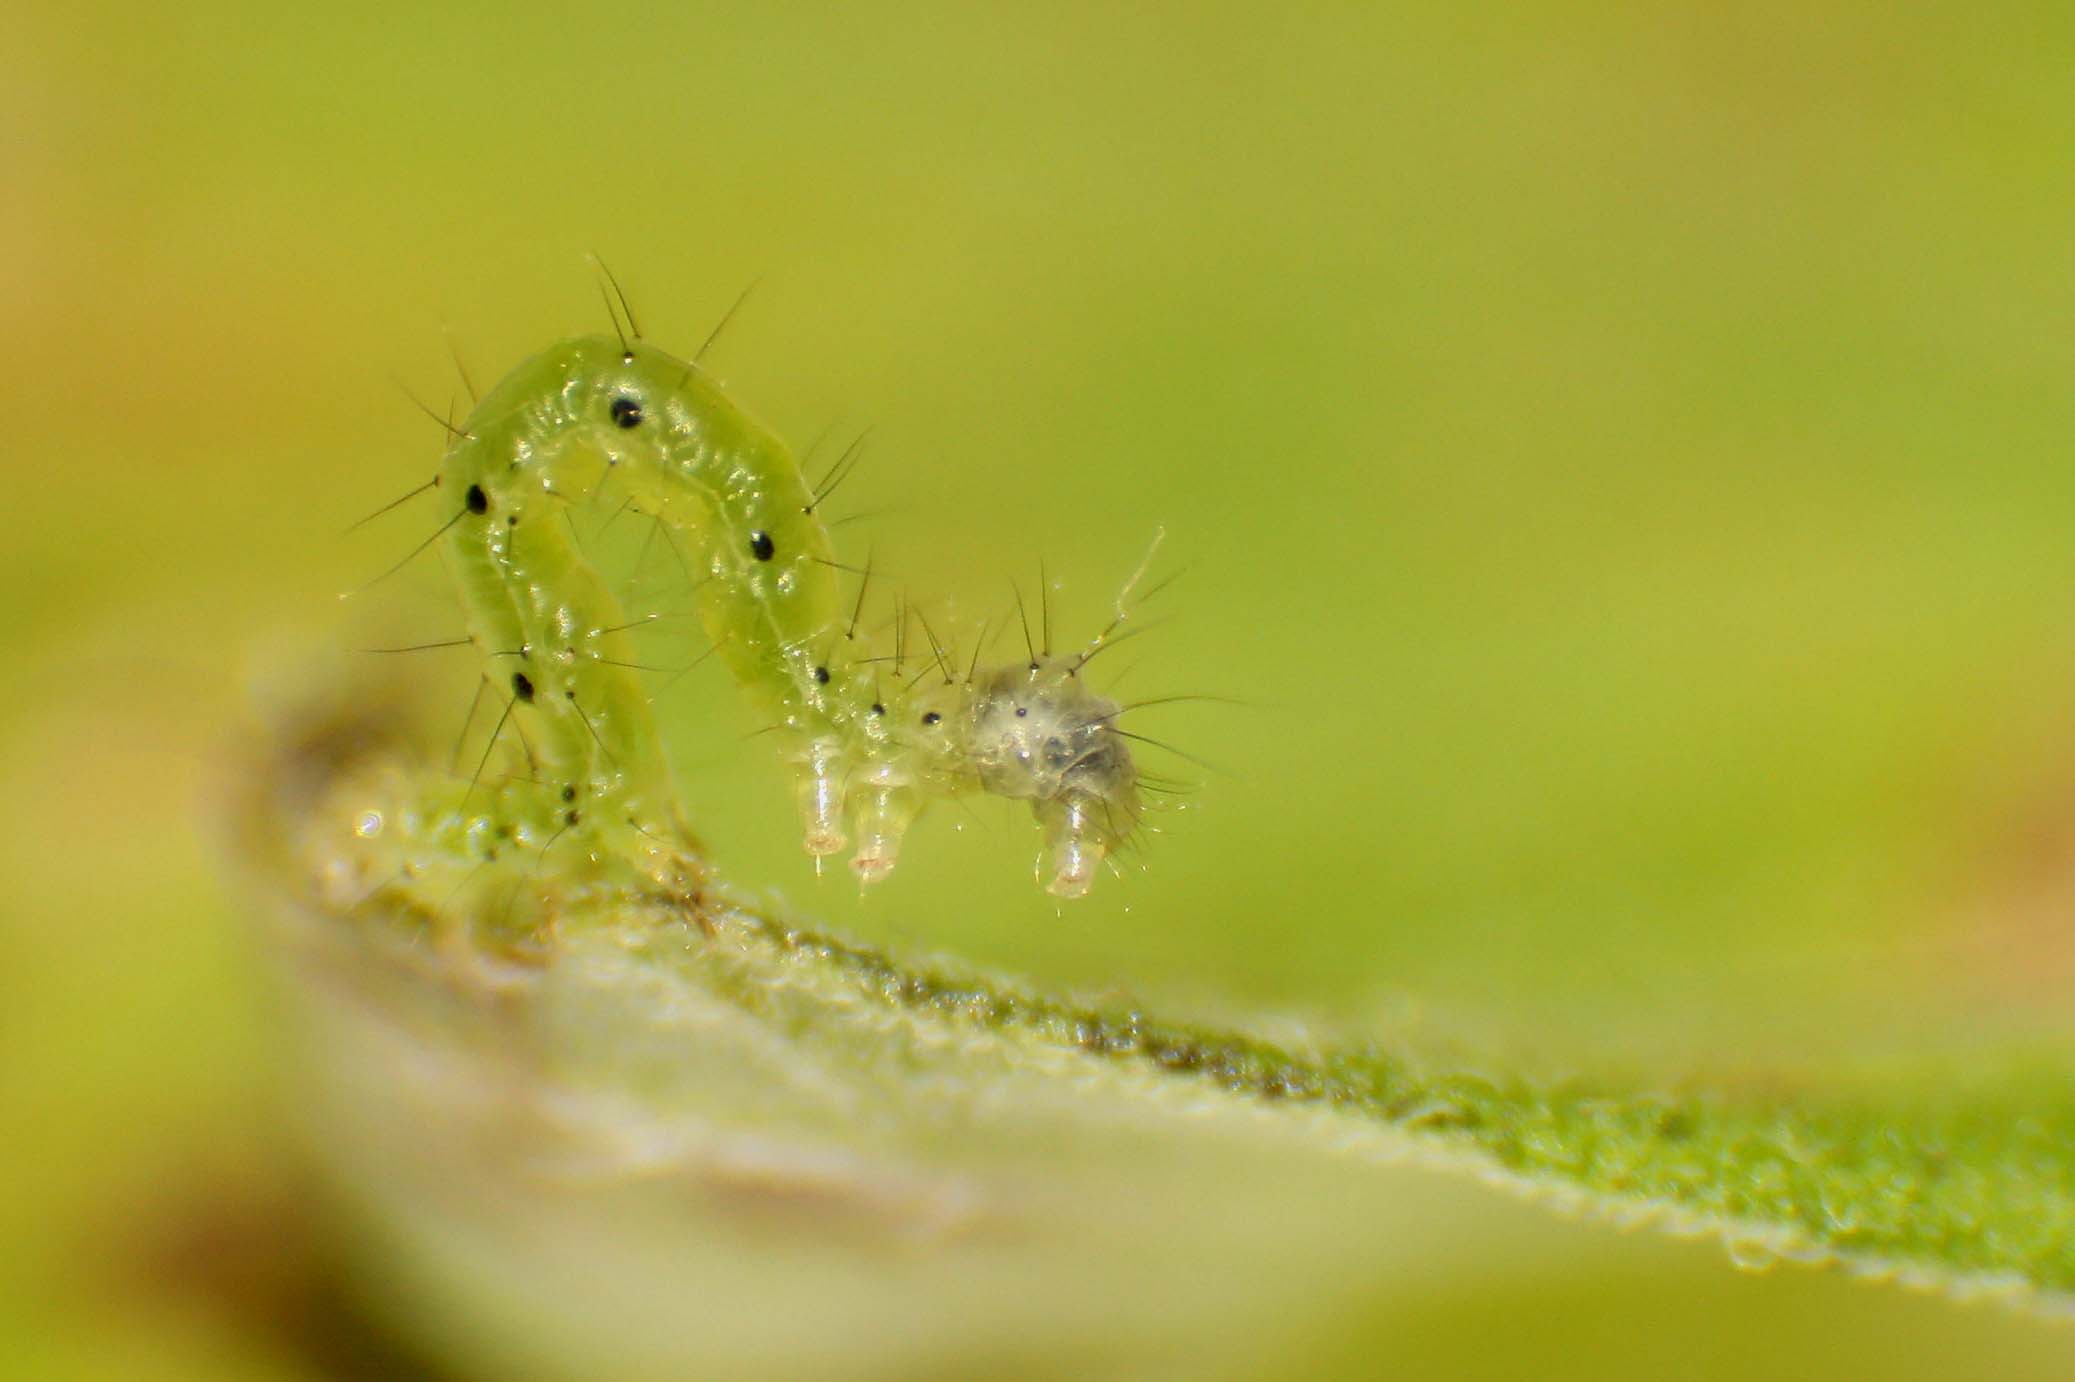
x=1037 y=733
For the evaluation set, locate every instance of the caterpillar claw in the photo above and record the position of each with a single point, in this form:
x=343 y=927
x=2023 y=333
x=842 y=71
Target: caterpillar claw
x=818 y=787
x=1077 y=840
x=882 y=811
x=1072 y=874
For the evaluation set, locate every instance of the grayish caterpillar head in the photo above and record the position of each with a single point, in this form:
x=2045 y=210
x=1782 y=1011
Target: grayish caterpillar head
x=1037 y=733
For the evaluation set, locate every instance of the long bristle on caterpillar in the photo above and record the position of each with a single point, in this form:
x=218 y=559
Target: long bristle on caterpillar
x=869 y=737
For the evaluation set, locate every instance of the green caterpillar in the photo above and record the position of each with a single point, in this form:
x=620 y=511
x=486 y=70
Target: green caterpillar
x=868 y=740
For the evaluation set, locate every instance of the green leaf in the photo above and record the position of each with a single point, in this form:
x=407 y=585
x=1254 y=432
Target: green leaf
x=571 y=1135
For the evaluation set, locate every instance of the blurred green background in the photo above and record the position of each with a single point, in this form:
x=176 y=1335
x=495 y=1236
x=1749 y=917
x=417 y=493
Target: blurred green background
x=1617 y=454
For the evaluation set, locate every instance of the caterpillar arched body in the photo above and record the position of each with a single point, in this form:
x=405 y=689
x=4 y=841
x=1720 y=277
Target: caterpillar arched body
x=870 y=736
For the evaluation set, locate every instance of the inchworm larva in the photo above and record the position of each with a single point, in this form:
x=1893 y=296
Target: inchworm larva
x=870 y=733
